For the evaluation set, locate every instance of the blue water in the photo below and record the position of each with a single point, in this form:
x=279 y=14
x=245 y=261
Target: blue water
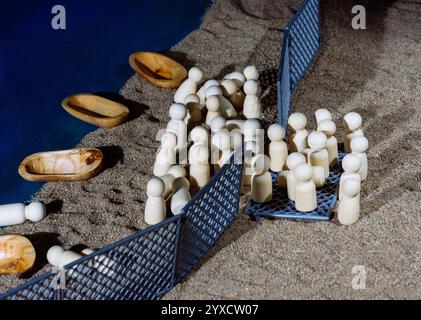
x=39 y=66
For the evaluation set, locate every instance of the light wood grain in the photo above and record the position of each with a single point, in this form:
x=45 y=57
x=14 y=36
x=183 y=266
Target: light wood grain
x=96 y=110
x=66 y=165
x=158 y=69
x=17 y=254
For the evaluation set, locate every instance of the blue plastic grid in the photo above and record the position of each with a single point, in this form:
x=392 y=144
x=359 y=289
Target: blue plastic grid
x=149 y=263
x=281 y=207
x=300 y=44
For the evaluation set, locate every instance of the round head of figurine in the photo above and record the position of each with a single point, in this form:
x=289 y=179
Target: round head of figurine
x=359 y=144
x=221 y=140
x=35 y=211
x=238 y=77
x=199 y=154
x=351 y=163
x=54 y=254
x=199 y=134
x=276 y=132
x=260 y=164
x=178 y=111
x=317 y=140
x=213 y=91
x=352 y=121
x=351 y=187
x=328 y=127
x=169 y=140
x=251 y=73
x=229 y=87
x=251 y=87
x=217 y=124
x=192 y=98
x=297 y=121
x=155 y=187
x=212 y=103
x=210 y=83
x=177 y=171
x=303 y=172
x=180 y=182
x=322 y=114
x=295 y=159
x=251 y=125
x=195 y=74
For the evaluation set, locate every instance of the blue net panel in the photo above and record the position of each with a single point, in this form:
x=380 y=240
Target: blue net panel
x=300 y=44
x=281 y=207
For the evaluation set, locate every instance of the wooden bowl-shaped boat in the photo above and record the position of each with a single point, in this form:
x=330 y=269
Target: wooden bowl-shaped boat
x=17 y=254
x=96 y=110
x=65 y=165
x=158 y=69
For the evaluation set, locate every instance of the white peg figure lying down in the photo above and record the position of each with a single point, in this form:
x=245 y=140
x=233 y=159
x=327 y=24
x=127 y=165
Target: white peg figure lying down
x=189 y=86
x=18 y=213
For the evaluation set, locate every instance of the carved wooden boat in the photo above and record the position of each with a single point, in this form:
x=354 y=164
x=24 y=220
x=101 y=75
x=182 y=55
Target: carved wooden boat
x=17 y=254
x=158 y=69
x=96 y=110
x=66 y=165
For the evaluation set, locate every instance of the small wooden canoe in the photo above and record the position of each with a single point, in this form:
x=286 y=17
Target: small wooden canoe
x=96 y=110
x=158 y=69
x=17 y=254
x=64 y=165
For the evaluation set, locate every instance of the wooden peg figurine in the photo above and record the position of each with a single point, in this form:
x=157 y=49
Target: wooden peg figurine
x=231 y=91
x=297 y=137
x=261 y=180
x=305 y=189
x=252 y=108
x=214 y=109
x=293 y=160
x=321 y=115
x=359 y=146
x=189 y=86
x=278 y=149
x=177 y=125
x=181 y=195
x=226 y=108
x=155 y=209
x=18 y=213
x=199 y=165
x=328 y=127
x=166 y=156
x=17 y=254
x=352 y=129
x=318 y=155
x=351 y=164
x=349 y=205
x=194 y=109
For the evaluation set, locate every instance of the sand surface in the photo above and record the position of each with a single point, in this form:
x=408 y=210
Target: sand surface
x=375 y=72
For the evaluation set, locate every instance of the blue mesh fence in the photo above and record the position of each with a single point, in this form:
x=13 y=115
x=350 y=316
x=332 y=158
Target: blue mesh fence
x=300 y=44
x=149 y=263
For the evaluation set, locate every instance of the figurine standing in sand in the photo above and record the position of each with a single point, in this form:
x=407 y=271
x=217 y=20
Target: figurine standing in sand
x=181 y=195
x=321 y=115
x=349 y=205
x=189 y=86
x=261 y=180
x=328 y=127
x=352 y=129
x=214 y=109
x=252 y=108
x=177 y=125
x=297 y=137
x=351 y=164
x=278 y=149
x=305 y=189
x=155 y=209
x=293 y=160
x=199 y=165
x=166 y=156
x=18 y=213
x=359 y=146
x=318 y=156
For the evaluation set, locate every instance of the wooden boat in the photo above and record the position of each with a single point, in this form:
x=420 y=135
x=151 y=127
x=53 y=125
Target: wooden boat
x=96 y=110
x=158 y=69
x=66 y=165
x=17 y=254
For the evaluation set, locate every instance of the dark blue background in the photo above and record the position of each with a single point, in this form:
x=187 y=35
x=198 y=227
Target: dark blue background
x=40 y=66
